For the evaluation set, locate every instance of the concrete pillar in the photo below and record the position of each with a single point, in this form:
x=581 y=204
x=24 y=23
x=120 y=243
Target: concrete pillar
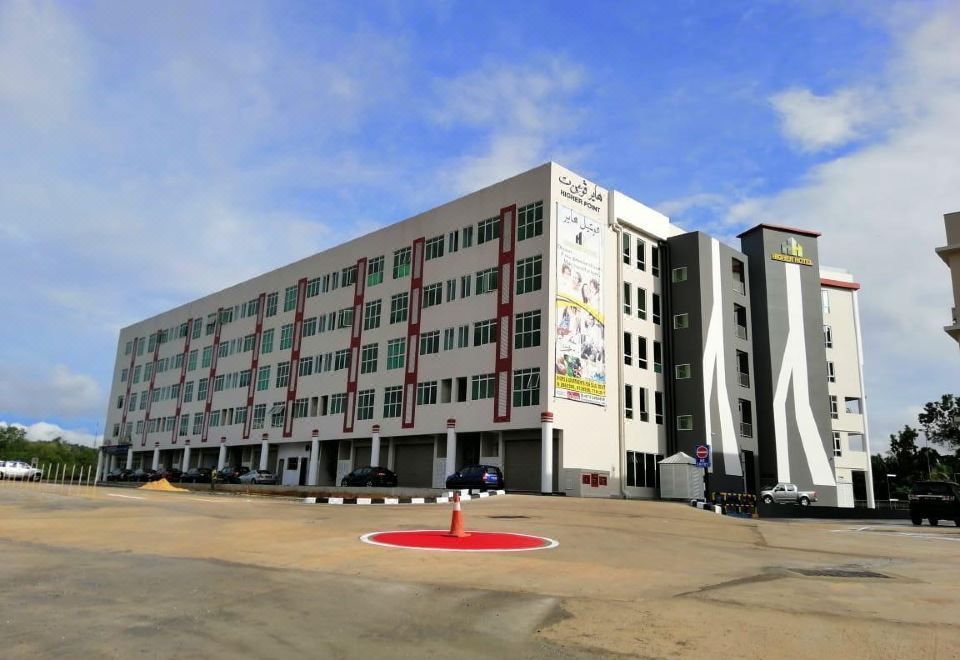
x=375 y=446
x=451 y=446
x=546 y=452
x=265 y=451
x=222 y=459
x=99 y=475
x=129 y=458
x=156 y=456
x=313 y=474
x=185 y=463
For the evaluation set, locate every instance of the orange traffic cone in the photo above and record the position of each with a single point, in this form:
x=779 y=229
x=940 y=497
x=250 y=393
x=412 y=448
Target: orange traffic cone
x=456 y=521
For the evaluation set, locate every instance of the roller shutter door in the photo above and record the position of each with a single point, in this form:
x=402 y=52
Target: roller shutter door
x=413 y=465
x=521 y=464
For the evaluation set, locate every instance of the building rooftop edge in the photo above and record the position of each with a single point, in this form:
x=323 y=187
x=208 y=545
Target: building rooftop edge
x=853 y=286
x=793 y=230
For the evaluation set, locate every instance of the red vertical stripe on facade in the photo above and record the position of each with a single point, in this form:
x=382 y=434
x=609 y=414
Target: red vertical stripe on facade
x=505 y=289
x=415 y=302
x=183 y=377
x=211 y=376
x=359 y=289
x=126 y=398
x=254 y=364
x=295 y=356
x=153 y=379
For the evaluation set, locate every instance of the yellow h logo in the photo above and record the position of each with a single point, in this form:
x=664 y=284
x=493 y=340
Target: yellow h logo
x=791 y=247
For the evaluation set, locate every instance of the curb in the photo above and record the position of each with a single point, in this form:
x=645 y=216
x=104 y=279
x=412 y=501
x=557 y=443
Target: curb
x=706 y=506
x=721 y=510
x=443 y=499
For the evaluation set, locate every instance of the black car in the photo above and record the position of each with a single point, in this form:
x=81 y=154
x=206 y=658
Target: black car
x=477 y=476
x=141 y=475
x=231 y=475
x=196 y=476
x=170 y=474
x=370 y=476
x=119 y=474
x=935 y=501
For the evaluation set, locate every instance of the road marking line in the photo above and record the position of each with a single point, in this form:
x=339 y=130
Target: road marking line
x=129 y=497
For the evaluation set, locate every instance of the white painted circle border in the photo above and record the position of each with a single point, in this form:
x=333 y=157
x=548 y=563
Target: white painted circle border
x=366 y=538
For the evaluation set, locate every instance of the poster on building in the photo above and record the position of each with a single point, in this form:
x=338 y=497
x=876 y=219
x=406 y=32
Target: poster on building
x=579 y=368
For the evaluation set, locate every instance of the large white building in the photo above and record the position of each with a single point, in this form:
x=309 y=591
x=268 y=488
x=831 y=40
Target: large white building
x=545 y=324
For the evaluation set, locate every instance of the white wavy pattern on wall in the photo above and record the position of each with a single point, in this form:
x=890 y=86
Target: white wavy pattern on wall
x=793 y=370
x=714 y=367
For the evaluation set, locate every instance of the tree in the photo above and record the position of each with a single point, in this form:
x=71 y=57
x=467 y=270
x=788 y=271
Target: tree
x=940 y=421
x=903 y=445
x=14 y=446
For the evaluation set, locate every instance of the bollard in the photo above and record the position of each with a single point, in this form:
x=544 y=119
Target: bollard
x=72 y=470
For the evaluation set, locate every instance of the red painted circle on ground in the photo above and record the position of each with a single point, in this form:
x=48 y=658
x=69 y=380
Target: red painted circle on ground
x=437 y=539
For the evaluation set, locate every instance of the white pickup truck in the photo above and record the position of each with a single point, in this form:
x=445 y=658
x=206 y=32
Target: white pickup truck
x=19 y=470
x=787 y=494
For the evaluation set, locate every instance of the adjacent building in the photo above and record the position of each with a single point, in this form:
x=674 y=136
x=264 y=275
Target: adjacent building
x=950 y=253
x=545 y=324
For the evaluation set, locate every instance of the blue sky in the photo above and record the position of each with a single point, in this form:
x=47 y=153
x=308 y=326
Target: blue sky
x=270 y=131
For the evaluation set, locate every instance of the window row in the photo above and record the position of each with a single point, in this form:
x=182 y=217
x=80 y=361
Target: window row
x=638 y=247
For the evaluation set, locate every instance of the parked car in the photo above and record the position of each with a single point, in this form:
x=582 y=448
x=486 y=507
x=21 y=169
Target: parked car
x=935 y=501
x=231 y=475
x=477 y=476
x=141 y=475
x=258 y=477
x=170 y=474
x=196 y=476
x=19 y=470
x=787 y=494
x=370 y=476
x=119 y=474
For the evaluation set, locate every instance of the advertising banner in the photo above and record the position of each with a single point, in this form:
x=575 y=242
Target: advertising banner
x=579 y=369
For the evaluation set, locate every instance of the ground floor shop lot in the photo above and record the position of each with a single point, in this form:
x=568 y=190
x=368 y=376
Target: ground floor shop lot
x=420 y=461
x=116 y=573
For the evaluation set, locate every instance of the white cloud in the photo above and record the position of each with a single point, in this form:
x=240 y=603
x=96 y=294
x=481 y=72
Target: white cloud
x=43 y=63
x=521 y=111
x=44 y=431
x=814 y=122
x=880 y=209
x=705 y=200
x=60 y=392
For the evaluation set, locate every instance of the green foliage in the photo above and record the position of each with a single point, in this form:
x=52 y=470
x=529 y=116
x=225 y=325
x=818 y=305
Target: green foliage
x=910 y=464
x=14 y=446
x=940 y=421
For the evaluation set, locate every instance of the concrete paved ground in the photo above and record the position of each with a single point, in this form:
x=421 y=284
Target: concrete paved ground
x=120 y=573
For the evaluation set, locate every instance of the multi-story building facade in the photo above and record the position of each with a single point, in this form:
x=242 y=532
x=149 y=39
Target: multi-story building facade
x=845 y=386
x=950 y=253
x=563 y=331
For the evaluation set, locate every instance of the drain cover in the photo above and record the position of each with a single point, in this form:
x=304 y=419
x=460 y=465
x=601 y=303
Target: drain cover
x=838 y=573
x=508 y=517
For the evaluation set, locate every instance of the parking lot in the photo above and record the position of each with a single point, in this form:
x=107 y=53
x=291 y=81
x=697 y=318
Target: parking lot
x=119 y=572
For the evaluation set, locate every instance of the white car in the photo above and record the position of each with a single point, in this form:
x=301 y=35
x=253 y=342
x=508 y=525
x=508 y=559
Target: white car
x=19 y=470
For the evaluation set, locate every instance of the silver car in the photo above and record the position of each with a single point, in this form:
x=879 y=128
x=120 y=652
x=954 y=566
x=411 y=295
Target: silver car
x=784 y=493
x=258 y=477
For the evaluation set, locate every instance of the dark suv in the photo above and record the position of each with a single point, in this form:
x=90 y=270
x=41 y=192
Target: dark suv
x=477 y=476
x=935 y=501
x=370 y=476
